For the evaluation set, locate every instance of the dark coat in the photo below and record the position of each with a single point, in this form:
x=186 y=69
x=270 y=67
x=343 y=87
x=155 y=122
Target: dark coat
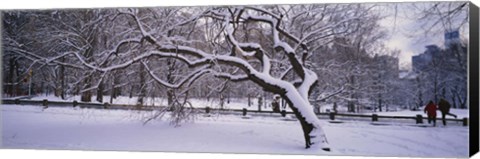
x=444 y=106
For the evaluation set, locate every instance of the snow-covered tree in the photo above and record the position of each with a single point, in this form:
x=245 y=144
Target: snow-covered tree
x=175 y=51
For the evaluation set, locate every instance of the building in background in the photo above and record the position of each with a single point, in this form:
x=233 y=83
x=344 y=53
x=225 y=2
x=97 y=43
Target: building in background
x=452 y=38
x=451 y=42
x=422 y=61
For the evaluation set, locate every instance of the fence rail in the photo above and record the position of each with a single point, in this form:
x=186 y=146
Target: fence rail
x=374 y=117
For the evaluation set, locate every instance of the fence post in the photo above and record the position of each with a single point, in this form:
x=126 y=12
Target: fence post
x=45 y=103
x=419 y=119
x=207 y=110
x=75 y=103
x=374 y=117
x=244 y=111
x=465 y=121
x=332 y=116
x=284 y=113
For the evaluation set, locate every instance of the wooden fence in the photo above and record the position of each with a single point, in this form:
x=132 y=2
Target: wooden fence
x=419 y=119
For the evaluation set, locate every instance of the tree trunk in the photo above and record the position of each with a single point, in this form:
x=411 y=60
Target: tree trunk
x=87 y=95
x=463 y=103
x=454 y=100
x=350 y=103
x=114 y=92
x=100 y=92
x=380 y=102
x=131 y=91
x=312 y=132
x=351 y=106
x=142 y=90
x=420 y=100
x=170 y=79
x=18 y=81
x=10 y=76
x=62 y=79
x=170 y=97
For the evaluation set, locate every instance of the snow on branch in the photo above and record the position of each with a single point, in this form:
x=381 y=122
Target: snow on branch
x=281 y=45
x=249 y=50
x=230 y=77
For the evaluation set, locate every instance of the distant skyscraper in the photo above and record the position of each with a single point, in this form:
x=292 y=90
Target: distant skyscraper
x=421 y=61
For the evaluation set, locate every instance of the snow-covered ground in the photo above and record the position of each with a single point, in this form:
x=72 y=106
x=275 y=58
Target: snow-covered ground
x=91 y=129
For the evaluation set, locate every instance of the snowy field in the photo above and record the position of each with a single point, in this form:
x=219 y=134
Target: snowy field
x=32 y=127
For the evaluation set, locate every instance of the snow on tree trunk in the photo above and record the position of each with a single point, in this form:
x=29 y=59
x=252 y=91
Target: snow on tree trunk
x=312 y=131
x=297 y=99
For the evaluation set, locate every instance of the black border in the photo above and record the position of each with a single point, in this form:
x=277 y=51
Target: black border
x=473 y=79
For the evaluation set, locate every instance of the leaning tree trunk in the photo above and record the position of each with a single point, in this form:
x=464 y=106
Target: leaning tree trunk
x=312 y=131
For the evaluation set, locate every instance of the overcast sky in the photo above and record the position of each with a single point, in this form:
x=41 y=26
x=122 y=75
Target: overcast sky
x=398 y=26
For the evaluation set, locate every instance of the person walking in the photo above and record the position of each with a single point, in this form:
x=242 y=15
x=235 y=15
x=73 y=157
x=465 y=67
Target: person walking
x=431 y=110
x=444 y=107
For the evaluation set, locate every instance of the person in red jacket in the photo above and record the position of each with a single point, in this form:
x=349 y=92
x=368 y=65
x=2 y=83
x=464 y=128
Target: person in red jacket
x=431 y=110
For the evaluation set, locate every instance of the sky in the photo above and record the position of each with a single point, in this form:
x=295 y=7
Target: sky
x=406 y=34
x=398 y=28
